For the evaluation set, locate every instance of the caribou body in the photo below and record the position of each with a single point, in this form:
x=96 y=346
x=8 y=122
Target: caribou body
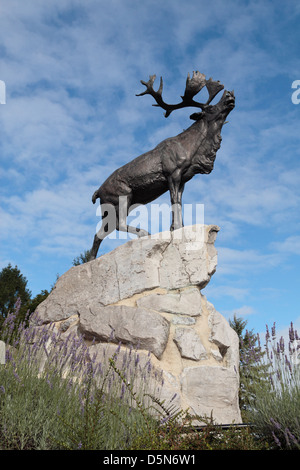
x=171 y=163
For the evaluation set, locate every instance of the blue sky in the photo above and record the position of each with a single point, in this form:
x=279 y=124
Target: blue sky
x=72 y=70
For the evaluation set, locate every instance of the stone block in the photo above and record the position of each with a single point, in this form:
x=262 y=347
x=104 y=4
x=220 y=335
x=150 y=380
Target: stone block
x=129 y=325
x=186 y=302
x=189 y=344
x=212 y=390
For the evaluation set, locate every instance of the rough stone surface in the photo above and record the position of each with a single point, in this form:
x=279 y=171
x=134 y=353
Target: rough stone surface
x=128 y=325
x=147 y=295
x=223 y=336
x=189 y=344
x=213 y=390
x=171 y=261
x=183 y=320
x=187 y=302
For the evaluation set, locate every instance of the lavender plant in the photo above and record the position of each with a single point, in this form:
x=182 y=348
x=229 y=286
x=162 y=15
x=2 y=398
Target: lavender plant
x=276 y=409
x=55 y=394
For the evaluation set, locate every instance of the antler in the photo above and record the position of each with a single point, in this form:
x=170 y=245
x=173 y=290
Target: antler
x=193 y=86
x=213 y=89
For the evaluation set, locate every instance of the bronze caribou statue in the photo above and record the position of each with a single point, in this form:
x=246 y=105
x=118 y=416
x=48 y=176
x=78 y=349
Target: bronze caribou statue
x=169 y=165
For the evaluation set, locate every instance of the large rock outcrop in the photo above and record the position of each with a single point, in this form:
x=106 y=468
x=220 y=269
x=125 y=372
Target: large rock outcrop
x=147 y=294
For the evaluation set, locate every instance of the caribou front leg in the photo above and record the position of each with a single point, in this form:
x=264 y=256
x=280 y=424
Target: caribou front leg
x=176 y=189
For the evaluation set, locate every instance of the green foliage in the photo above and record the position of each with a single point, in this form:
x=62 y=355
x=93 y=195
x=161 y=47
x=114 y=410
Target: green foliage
x=29 y=402
x=106 y=422
x=213 y=437
x=13 y=286
x=88 y=429
x=54 y=395
x=252 y=369
x=269 y=385
x=16 y=297
x=82 y=258
x=276 y=410
x=28 y=409
x=180 y=433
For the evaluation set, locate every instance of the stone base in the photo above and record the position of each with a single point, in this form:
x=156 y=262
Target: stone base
x=147 y=294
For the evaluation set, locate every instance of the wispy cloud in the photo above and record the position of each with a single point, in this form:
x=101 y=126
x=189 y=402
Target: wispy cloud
x=239 y=312
x=290 y=245
x=220 y=291
x=242 y=262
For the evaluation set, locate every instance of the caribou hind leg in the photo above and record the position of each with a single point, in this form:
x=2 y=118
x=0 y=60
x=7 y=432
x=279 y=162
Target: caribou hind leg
x=120 y=224
x=95 y=248
x=104 y=231
x=108 y=225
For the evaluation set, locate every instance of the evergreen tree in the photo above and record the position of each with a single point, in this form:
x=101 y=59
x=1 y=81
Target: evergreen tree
x=15 y=297
x=82 y=258
x=13 y=286
x=252 y=367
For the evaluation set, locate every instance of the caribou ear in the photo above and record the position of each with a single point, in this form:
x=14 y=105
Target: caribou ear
x=196 y=116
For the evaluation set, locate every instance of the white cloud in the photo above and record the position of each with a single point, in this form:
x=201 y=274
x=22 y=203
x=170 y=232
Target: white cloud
x=291 y=245
x=220 y=291
x=243 y=311
x=44 y=219
x=242 y=262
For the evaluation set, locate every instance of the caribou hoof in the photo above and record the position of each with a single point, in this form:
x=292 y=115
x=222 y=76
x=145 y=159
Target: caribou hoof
x=142 y=233
x=172 y=228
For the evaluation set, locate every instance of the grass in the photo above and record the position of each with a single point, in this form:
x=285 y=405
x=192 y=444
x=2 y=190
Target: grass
x=54 y=396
